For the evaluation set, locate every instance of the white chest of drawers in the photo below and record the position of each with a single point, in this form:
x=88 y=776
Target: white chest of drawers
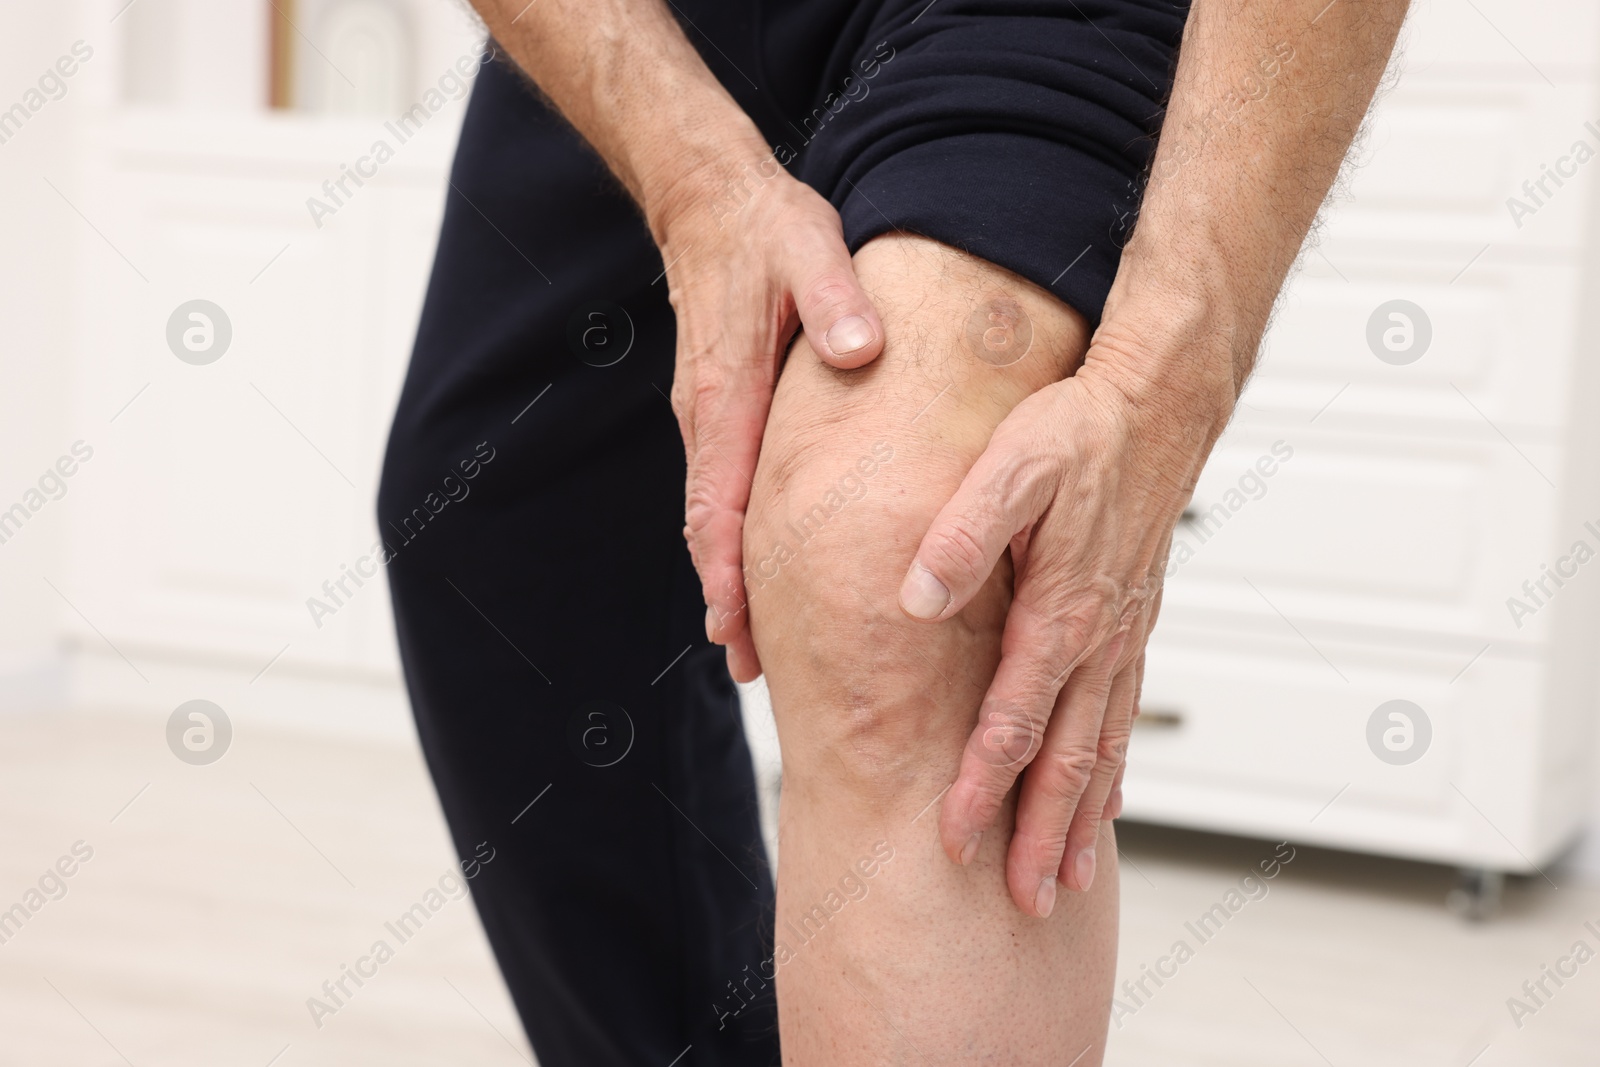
x=1430 y=528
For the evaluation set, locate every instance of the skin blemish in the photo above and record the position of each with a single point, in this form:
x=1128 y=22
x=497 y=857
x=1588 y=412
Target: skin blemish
x=999 y=332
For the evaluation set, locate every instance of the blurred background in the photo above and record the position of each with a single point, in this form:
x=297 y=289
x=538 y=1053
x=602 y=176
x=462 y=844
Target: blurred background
x=1378 y=644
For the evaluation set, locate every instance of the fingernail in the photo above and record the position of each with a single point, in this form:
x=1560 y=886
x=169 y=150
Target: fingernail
x=922 y=595
x=711 y=624
x=970 y=849
x=849 y=335
x=1083 y=869
x=1045 y=902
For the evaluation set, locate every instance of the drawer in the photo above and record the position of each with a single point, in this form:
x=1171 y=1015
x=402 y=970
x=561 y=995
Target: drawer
x=1397 y=341
x=1445 y=159
x=1374 y=535
x=1261 y=736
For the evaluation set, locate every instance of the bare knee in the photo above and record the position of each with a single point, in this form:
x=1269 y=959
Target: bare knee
x=869 y=703
x=854 y=467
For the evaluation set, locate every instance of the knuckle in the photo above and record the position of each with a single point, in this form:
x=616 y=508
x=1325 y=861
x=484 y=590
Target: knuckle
x=958 y=552
x=1078 y=626
x=706 y=390
x=991 y=785
x=1009 y=738
x=1067 y=772
x=701 y=509
x=1062 y=632
x=1034 y=473
x=1069 y=637
x=831 y=295
x=1113 y=747
x=691 y=394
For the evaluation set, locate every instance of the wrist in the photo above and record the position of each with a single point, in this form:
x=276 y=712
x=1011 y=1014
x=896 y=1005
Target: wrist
x=1184 y=317
x=707 y=169
x=1169 y=347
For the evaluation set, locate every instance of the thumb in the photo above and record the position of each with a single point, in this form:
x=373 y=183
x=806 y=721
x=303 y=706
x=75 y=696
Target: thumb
x=839 y=320
x=961 y=548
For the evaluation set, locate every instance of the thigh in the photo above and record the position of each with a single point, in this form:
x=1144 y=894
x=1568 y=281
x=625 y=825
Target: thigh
x=578 y=727
x=1017 y=130
x=886 y=952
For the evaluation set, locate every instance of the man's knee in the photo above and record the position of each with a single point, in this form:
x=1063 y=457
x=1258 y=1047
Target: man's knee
x=854 y=467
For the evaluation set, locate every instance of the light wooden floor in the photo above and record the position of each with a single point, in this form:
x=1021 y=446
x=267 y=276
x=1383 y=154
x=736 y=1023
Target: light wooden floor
x=221 y=897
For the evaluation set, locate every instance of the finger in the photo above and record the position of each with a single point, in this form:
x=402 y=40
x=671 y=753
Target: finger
x=998 y=498
x=1078 y=860
x=743 y=663
x=1114 y=803
x=728 y=420
x=1036 y=655
x=1056 y=781
x=838 y=318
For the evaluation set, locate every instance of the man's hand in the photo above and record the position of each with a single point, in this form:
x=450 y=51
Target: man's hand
x=1085 y=481
x=740 y=278
x=750 y=253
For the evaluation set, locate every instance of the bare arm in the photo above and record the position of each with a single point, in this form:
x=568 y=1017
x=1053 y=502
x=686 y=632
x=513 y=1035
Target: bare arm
x=1267 y=100
x=741 y=279
x=623 y=73
x=1085 y=480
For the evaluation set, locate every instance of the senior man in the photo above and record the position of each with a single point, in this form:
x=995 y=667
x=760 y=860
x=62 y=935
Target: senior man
x=948 y=331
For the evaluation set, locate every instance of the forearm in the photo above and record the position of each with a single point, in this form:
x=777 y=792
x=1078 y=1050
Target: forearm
x=1267 y=99
x=623 y=73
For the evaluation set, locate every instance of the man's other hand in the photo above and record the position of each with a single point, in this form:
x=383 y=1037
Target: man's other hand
x=750 y=256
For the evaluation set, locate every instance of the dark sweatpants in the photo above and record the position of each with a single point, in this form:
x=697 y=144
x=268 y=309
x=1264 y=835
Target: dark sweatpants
x=550 y=622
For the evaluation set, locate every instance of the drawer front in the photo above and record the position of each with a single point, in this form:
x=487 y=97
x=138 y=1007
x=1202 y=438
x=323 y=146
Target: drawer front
x=1342 y=536
x=1395 y=343
x=1459 y=162
x=1264 y=737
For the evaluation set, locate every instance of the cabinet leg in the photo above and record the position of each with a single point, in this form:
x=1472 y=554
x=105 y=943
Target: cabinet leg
x=1476 y=895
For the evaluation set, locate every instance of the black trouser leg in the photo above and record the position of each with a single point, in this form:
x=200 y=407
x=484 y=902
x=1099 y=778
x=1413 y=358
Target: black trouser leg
x=551 y=625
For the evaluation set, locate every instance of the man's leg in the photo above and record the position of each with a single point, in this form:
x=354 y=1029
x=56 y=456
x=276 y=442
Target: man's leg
x=579 y=729
x=887 y=952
